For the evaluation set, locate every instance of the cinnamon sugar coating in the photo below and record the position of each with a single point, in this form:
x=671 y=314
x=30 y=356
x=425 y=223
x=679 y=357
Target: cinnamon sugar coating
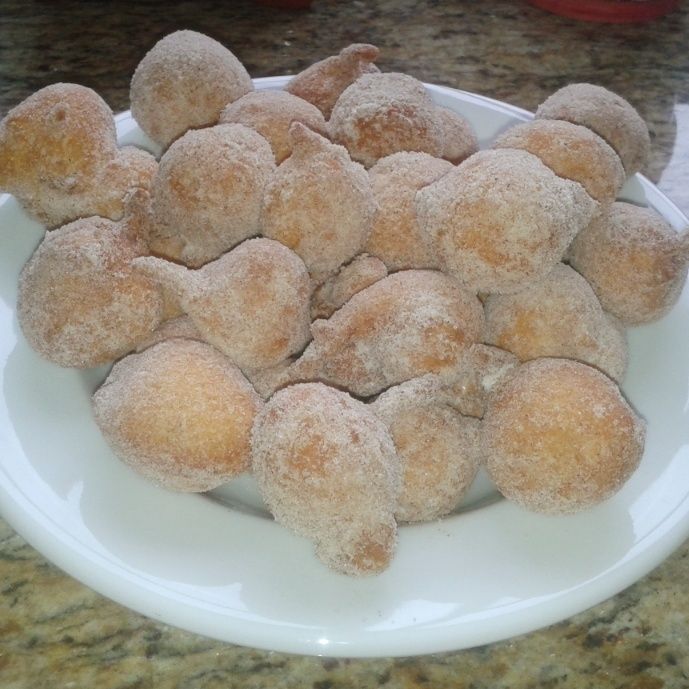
x=252 y=303
x=271 y=113
x=458 y=137
x=59 y=157
x=381 y=114
x=635 y=261
x=80 y=303
x=559 y=437
x=361 y=272
x=502 y=219
x=318 y=203
x=323 y=82
x=572 y=152
x=208 y=191
x=408 y=324
x=183 y=83
x=558 y=316
x=327 y=469
x=437 y=447
x=180 y=414
x=396 y=237
x=608 y=115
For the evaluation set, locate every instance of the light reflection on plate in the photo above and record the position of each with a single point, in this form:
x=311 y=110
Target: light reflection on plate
x=487 y=573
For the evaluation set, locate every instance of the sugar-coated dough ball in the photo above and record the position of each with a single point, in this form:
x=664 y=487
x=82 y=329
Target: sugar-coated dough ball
x=381 y=114
x=326 y=467
x=558 y=316
x=252 y=303
x=271 y=113
x=183 y=83
x=361 y=272
x=570 y=151
x=558 y=437
x=208 y=191
x=324 y=81
x=59 y=157
x=458 y=137
x=635 y=261
x=318 y=203
x=180 y=414
x=437 y=447
x=607 y=114
x=401 y=327
x=502 y=219
x=80 y=302
x=396 y=237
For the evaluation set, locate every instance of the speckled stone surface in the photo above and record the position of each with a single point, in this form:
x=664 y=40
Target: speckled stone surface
x=54 y=632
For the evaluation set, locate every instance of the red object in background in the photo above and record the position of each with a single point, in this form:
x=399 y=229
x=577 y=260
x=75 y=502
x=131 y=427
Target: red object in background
x=611 y=11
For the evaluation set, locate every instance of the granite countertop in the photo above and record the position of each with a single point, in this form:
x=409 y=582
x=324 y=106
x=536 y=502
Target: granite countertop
x=55 y=632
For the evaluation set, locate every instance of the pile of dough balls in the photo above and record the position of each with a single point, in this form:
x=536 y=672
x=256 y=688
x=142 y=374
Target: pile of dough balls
x=332 y=288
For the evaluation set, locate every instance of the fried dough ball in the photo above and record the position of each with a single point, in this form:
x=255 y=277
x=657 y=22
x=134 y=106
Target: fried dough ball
x=458 y=137
x=208 y=191
x=271 y=113
x=59 y=157
x=318 y=203
x=437 y=446
x=396 y=238
x=559 y=437
x=502 y=219
x=267 y=380
x=558 y=316
x=80 y=303
x=323 y=82
x=408 y=324
x=361 y=272
x=326 y=467
x=252 y=303
x=607 y=114
x=180 y=414
x=381 y=114
x=572 y=152
x=635 y=261
x=183 y=83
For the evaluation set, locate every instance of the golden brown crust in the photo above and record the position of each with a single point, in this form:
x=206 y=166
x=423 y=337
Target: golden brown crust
x=323 y=82
x=635 y=261
x=180 y=414
x=271 y=114
x=559 y=437
x=381 y=114
x=327 y=469
x=184 y=82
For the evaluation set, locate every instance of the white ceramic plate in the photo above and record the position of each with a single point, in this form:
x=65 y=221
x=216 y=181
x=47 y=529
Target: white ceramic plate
x=227 y=571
